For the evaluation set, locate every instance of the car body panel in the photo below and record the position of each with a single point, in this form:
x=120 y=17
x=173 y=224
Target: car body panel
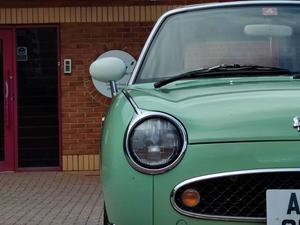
x=234 y=155
x=223 y=110
x=125 y=191
x=207 y=159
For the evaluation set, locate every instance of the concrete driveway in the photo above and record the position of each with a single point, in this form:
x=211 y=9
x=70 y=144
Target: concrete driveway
x=44 y=198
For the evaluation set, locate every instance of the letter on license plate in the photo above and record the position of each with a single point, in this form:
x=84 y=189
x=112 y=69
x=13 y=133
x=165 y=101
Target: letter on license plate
x=283 y=207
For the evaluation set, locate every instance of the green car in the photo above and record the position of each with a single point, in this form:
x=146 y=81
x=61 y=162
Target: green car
x=207 y=131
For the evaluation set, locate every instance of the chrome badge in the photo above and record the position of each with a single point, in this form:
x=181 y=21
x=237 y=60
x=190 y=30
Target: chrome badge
x=297 y=123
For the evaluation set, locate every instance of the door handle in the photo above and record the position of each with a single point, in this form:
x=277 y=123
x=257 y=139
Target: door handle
x=6 y=103
x=6 y=90
x=9 y=98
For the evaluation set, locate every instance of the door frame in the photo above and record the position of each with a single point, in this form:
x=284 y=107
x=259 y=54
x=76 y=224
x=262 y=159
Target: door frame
x=59 y=81
x=15 y=150
x=9 y=77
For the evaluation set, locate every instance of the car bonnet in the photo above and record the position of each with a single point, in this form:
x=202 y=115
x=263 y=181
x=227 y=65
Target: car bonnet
x=227 y=110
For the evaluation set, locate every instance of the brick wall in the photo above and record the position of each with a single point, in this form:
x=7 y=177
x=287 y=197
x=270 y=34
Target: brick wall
x=59 y=3
x=82 y=106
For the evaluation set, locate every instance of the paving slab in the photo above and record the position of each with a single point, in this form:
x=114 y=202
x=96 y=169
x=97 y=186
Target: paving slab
x=50 y=198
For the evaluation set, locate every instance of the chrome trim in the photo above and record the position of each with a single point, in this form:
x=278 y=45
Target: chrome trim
x=144 y=114
x=193 y=8
x=218 y=175
x=132 y=102
x=113 y=88
x=297 y=123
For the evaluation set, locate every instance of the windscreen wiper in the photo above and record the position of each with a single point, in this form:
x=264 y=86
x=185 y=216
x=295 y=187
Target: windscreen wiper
x=296 y=75
x=225 y=70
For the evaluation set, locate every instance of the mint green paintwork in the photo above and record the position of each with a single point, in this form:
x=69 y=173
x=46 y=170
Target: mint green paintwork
x=212 y=111
x=217 y=110
x=125 y=190
x=204 y=159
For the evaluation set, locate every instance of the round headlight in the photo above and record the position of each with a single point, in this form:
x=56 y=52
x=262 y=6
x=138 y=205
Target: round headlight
x=155 y=143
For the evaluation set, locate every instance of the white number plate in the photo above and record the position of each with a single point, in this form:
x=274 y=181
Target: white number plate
x=283 y=207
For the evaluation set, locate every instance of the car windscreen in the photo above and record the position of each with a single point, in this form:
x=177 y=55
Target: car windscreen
x=248 y=35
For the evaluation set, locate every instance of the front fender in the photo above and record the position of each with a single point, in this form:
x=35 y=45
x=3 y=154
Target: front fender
x=125 y=190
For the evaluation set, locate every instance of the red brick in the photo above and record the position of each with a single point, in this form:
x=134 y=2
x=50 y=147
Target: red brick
x=82 y=106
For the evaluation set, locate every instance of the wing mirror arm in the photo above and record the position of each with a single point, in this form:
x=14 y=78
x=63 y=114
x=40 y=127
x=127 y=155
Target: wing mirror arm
x=113 y=88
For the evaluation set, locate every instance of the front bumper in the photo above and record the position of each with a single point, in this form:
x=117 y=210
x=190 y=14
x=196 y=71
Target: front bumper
x=207 y=159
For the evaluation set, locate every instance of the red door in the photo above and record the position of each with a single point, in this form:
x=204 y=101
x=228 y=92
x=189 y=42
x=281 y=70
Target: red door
x=7 y=100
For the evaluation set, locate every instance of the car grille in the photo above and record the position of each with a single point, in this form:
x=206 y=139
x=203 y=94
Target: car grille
x=234 y=196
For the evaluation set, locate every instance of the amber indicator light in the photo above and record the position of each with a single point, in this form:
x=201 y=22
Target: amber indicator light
x=190 y=197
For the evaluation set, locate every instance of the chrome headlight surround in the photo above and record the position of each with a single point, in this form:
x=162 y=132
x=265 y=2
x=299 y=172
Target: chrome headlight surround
x=138 y=120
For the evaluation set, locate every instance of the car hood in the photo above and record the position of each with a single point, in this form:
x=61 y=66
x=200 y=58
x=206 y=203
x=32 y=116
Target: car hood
x=224 y=110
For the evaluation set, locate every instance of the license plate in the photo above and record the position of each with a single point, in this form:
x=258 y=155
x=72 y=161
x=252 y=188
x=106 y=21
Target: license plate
x=283 y=207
